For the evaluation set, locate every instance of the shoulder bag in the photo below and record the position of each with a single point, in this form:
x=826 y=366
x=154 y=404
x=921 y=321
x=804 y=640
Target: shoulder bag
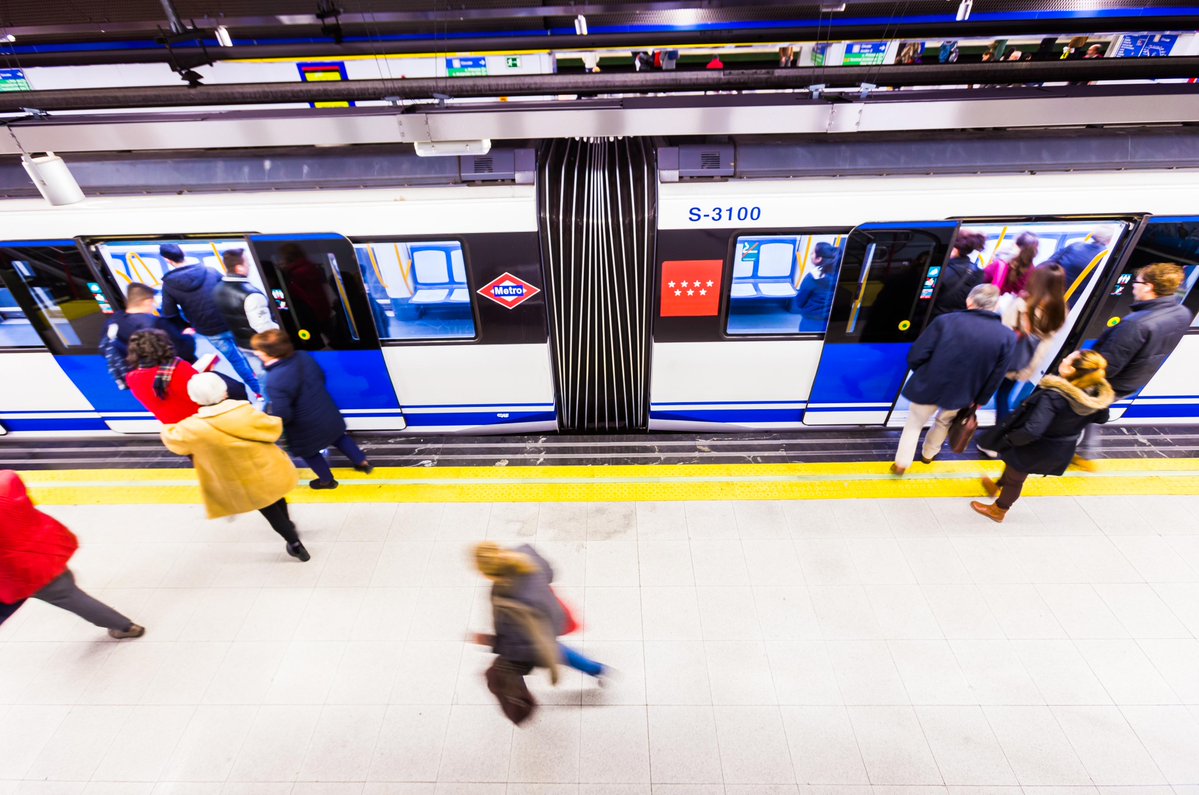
x=963 y=427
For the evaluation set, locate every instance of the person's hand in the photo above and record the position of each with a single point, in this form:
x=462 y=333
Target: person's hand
x=478 y=638
x=190 y=331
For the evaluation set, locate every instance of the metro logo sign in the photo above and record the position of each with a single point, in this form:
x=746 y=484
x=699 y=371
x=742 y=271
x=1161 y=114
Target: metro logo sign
x=508 y=291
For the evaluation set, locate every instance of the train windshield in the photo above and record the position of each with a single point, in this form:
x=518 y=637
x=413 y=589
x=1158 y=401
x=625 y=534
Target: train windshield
x=48 y=298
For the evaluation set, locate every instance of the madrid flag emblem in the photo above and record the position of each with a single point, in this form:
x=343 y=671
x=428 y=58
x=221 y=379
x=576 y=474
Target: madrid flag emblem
x=691 y=288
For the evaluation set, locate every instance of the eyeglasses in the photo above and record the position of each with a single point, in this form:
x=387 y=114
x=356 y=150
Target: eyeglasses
x=1138 y=281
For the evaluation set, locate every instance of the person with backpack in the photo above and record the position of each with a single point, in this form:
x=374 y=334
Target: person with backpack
x=245 y=308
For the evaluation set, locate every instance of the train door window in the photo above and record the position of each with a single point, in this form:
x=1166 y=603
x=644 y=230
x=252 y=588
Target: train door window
x=318 y=289
x=48 y=298
x=781 y=284
x=417 y=290
x=1164 y=240
x=130 y=261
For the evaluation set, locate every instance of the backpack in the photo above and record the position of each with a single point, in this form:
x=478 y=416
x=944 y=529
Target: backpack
x=115 y=353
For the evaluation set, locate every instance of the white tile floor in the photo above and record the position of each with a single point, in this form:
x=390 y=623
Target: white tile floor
x=834 y=648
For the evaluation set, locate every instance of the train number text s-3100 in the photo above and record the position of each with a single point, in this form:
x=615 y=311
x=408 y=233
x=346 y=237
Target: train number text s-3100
x=697 y=214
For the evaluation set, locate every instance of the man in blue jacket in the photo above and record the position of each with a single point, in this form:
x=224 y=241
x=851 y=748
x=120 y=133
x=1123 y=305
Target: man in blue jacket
x=959 y=360
x=1139 y=345
x=187 y=291
x=1075 y=257
x=139 y=315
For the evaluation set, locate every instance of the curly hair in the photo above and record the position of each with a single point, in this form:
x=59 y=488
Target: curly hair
x=150 y=348
x=1164 y=277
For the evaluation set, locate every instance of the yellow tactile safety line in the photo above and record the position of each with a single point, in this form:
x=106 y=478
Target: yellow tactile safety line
x=631 y=483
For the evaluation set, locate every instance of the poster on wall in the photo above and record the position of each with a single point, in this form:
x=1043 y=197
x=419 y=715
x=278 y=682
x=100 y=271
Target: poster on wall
x=13 y=80
x=865 y=53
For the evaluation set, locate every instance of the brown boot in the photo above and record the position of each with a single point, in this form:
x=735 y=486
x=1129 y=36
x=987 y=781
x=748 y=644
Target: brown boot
x=990 y=486
x=896 y=469
x=992 y=512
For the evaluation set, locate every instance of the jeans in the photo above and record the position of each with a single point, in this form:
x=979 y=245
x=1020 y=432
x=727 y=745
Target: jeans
x=918 y=414
x=349 y=449
x=226 y=345
x=281 y=523
x=63 y=592
x=1010 y=483
x=577 y=661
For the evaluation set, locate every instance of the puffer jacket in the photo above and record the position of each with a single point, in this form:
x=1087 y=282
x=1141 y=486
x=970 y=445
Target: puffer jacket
x=514 y=640
x=189 y=289
x=34 y=547
x=1137 y=347
x=1041 y=436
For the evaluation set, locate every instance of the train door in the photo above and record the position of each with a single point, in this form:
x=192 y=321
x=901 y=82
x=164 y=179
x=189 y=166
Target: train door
x=53 y=310
x=885 y=291
x=1083 y=247
x=1172 y=395
x=318 y=292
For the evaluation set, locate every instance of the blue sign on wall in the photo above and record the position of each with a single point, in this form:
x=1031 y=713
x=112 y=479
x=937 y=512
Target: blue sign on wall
x=13 y=80
x=1147 y=46
x=466 y=67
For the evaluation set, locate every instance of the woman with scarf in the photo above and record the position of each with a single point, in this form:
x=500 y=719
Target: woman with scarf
x=1041 y=436
x=528 y=619
x=1037 y=316
x=158 y=378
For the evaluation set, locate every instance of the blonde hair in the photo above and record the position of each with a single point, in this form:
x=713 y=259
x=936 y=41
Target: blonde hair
x=495 y=562
x=1090 y=369
x=1164 y=277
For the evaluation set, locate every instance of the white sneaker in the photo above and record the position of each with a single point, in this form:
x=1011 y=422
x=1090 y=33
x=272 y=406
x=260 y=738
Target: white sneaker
x=986 y=452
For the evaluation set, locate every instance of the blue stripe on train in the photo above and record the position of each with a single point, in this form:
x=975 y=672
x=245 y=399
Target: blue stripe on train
x=63 y=424
x=442 y=420
x=731 y=416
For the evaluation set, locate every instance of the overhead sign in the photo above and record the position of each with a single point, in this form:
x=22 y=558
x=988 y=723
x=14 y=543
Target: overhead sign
x=466 y=67
x=13 y=80
x=324 y=72
x=865 y=53
x=1146 y=45
x=508 y=291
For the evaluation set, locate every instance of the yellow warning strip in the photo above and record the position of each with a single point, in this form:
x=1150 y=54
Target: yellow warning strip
x=637 y=483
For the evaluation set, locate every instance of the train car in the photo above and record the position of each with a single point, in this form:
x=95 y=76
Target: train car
x=433 y=310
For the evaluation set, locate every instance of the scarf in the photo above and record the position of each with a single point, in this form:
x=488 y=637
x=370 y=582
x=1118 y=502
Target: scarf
x=162 y=379
x=1085 y=396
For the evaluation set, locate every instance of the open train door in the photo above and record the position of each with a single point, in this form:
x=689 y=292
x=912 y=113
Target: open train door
x=885 y=290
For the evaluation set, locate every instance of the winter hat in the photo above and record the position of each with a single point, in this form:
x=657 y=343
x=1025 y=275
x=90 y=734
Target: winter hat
x=207 y=389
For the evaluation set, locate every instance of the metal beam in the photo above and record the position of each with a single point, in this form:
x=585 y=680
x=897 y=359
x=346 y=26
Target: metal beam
x=746 y=115
x=1016 y=73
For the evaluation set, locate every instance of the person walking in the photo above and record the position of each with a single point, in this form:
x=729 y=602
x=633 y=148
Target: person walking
x=187 y=295
x=958 y=361
x=232 y=445
x=158 y=378
x=1010 y=269
x=1140 y=343
x=961 y=275
x=1076 y=257
x=528 y=618
x=244 y=306
x=1037 y=317
x=296 y=393
x=139 y=314
x=1040 y=438
x=35 y=549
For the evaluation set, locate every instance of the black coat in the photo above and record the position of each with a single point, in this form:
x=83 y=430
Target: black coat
x=1041 y=436
x=511 y=639
x=960 y=359
x=1137 y=347
x=960 y=277
x=296 y=394
x=190 y=289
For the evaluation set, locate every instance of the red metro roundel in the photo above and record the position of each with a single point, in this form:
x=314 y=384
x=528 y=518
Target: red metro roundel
x=508 y=290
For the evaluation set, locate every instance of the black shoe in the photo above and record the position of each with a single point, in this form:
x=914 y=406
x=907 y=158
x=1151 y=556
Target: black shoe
x=322 y=484
x=924 y=460
x=297 y=550
x=365 y=467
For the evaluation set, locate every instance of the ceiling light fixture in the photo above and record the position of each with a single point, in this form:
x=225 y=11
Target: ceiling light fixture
x=222 y=36
x=964 y=9
x=580 y=25
x=452 y=148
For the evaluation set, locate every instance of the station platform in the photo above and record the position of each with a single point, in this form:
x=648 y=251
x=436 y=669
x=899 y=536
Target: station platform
x=827 y=629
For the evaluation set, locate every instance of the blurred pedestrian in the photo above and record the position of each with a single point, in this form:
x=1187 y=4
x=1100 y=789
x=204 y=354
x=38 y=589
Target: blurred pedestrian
x=961 y=274
x=139 y=314
x=240 y=469
x=1010 y=268
x=296 y=393
x=957 y=362
x=1140 y=343
x=34 y=551
x=1077 y=257
x=528 y=618
x=187 y=292
x=1037 y=317
x=243 y=305
x=1040 y=437
x=158 y=377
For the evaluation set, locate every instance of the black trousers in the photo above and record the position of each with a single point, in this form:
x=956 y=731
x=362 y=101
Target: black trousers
x=276 y=514
x=1010 y=483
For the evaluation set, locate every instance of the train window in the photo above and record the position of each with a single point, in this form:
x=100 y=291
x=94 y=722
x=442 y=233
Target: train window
x=48 y=298
x=142 y=261
x=317 y=289
x=1164 y=240
x=782 y=284
x=417 y=290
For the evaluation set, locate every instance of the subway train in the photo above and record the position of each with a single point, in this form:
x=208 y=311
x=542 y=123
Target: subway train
x=503 y=309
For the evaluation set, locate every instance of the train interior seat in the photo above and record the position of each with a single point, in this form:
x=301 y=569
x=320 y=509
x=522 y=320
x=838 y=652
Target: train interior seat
x=438 y=276
x=770 y=275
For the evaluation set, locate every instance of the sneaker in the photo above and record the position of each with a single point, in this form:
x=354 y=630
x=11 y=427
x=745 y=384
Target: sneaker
x=604 y=677
x=297 y=550
x=134 y=631
x=365 y=467
x=986 y=452
x=322 y=484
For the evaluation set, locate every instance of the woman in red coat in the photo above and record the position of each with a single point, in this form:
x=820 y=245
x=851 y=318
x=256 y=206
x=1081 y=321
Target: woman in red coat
x=158 y=377
x=34 y=550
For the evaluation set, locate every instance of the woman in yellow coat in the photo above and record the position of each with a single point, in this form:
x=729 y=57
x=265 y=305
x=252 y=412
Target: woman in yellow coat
x=240 y=469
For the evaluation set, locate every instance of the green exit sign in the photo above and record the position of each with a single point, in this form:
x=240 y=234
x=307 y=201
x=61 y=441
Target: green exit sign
x=513 y=61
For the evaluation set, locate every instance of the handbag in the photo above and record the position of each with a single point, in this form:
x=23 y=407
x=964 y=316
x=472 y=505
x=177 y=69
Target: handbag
x=571 y=624
x=963 y=427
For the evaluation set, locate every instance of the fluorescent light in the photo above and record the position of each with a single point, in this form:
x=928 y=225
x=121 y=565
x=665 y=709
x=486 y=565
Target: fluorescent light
x=964 y=9
x=581 y=25
x=452 y=148
x=9 y=38
x=222 y=36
